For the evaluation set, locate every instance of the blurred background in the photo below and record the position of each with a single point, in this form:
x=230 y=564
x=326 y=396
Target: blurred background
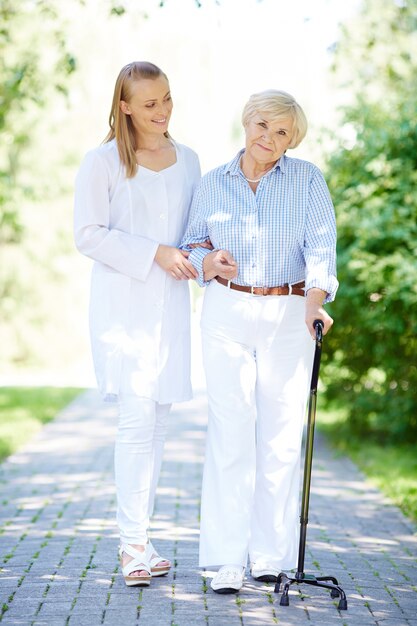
x=352 y=66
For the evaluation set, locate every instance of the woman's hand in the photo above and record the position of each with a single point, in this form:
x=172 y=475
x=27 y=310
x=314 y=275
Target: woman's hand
x=219 y=263
x=204 y=244
x=175 y=262
x=315 y=311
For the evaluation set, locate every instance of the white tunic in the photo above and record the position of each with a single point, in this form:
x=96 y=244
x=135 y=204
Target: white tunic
x=139 y=315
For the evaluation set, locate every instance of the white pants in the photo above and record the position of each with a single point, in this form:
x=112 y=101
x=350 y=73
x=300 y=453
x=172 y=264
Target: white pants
x=139 y=446
x=258 y=357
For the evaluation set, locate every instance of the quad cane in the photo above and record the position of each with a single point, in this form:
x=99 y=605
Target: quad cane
x=327 y=582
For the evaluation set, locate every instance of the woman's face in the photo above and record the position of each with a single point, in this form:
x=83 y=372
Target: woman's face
x=266 y=140
x=150 y=105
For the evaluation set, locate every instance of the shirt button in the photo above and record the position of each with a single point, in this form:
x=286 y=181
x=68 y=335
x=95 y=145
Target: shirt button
x=162 y=216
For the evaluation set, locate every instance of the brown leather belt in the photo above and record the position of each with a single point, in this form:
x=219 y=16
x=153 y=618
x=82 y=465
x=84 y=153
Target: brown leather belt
x=285 y=290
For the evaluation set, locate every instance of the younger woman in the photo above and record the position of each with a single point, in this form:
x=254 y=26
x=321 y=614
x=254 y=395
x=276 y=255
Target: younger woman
x=132 y=200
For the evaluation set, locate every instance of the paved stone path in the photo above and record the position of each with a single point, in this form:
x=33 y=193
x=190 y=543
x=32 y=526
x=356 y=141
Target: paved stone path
x=58 y=541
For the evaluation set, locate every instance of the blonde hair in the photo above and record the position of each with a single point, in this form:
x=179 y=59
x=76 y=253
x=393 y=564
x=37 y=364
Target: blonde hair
x=121 y=126
x=277 y=105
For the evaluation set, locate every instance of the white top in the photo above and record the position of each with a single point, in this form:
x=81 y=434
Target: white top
x=139 y=315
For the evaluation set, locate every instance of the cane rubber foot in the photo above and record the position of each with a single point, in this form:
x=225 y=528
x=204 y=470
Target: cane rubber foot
x=285 y=601
x=342 y=604
x=334 y=593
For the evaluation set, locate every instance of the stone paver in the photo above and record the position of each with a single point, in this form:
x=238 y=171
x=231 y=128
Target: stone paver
x=58 y=540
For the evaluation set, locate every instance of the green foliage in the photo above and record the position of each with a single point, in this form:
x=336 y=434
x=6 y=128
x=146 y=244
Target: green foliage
x=34 y=62
x=371 y=362
x=391 y=468
x=23 y=411
x=34 y=68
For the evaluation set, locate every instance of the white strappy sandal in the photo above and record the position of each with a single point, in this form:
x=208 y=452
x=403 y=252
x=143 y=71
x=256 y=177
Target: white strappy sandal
x=140 y=562
x=155 y=562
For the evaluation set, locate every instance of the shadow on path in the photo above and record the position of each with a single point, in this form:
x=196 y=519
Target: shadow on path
x=58 y=539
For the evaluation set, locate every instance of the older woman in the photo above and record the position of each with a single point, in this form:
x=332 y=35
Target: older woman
x=271 y=222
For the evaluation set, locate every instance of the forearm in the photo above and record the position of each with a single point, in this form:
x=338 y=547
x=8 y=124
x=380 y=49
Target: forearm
x=316 y=297
x=128 y=254
x=315 y=311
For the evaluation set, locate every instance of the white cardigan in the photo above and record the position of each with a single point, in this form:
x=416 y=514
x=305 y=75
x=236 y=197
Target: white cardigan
x=139 y=315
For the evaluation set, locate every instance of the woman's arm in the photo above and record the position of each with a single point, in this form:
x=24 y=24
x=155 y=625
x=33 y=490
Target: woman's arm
x=315 y=311
x=208 y=261
x=319 y=253
x=128 y=254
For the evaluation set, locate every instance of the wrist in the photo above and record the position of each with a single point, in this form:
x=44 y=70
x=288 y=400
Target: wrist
x=208 y=270
x=316 y=296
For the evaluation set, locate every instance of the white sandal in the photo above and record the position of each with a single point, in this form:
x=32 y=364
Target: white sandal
x=140 y=562
x=155 y=560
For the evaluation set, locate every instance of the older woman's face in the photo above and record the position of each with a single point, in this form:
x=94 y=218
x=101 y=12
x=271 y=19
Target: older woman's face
x=267 y=140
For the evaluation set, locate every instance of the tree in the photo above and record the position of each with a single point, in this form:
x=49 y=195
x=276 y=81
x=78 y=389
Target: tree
x=371 y=363
x=34 y=68
x=33 y=63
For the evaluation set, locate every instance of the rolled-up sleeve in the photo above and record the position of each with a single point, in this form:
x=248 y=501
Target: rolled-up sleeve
x=128 y=254
x=320 y=239
x=197 y=232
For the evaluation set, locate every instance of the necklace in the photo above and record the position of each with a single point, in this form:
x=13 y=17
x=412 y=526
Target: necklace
x=253 y=180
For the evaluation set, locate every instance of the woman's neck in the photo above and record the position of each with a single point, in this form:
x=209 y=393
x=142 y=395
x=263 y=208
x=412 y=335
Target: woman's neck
x=253 y=169
x=153 y=143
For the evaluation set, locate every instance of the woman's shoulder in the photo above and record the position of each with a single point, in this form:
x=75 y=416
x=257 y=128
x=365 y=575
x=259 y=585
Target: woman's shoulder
x=100 y=163
x=105 y=152
x=300 y=165
x=187 y=152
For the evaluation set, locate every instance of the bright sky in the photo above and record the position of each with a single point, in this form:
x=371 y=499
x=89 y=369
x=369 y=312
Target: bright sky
x=215 y=57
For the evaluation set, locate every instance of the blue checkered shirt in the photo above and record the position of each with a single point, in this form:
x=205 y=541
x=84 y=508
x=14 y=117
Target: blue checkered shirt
x=283 y=233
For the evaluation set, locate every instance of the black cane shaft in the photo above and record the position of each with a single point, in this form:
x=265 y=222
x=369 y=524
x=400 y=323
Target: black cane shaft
x=308 y=460
x=326 y=582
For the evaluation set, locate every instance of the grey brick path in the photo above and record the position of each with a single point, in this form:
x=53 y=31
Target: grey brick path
x=58 y=541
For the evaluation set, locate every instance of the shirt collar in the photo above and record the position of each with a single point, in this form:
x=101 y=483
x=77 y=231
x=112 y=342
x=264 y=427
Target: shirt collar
x=233 y=167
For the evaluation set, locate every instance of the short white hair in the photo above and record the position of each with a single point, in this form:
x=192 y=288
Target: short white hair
x=277 y=105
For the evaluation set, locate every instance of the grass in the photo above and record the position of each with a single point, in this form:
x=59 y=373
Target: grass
x=24 y=410
x=390 y=467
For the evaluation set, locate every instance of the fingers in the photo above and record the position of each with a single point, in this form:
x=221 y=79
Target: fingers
x=327 y=324
x=184 y=270
x=204 y=244
x=228 y=272
x=226 y=258
x=189 y=269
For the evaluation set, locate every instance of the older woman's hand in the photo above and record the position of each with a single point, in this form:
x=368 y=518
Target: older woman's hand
x=219 y=263
x=315 y=311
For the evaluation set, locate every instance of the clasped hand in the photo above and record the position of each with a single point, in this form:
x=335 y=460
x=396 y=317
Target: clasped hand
x=175 y=262
x=219 y=263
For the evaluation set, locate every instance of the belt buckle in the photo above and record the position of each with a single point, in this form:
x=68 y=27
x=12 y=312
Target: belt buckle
x=251 y=290
x=229 y=282
x=289 y=289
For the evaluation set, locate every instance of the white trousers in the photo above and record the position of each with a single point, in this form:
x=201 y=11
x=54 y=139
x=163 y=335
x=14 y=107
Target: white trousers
x=258 y=357
x=140 y=439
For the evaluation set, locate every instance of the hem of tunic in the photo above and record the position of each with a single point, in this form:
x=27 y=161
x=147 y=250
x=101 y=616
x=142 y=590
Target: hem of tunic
x=114 y=397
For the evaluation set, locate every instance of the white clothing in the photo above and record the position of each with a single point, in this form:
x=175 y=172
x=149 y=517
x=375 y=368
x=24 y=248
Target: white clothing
x=139 y=315
x=140 y=440
x=257 y=357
